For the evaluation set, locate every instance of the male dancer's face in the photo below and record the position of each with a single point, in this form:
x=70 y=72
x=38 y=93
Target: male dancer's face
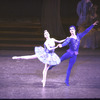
x=72 y=30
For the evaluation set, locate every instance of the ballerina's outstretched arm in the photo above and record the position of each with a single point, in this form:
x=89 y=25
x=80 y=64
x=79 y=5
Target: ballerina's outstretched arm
x=25 y=57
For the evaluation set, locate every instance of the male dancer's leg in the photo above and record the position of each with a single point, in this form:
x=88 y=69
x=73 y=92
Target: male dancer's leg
x=71 y=63
x=62 y=58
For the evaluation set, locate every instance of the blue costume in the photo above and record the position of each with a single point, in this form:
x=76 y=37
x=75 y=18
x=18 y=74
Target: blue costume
x=72 y=52
x=47 y=56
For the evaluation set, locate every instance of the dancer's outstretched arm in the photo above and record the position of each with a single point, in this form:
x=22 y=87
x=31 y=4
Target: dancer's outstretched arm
x=59 y=41
x=25 y=57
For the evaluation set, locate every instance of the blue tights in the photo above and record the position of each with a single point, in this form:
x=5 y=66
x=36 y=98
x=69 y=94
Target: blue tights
x=72 y=61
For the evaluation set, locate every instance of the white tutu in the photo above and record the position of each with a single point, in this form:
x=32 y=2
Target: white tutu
x=47 y=58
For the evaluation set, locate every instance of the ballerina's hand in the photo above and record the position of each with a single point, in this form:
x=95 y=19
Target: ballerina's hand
x=59 y=45
x=56 y=46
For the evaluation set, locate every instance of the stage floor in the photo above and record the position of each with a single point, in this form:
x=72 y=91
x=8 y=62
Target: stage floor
x=21 y=79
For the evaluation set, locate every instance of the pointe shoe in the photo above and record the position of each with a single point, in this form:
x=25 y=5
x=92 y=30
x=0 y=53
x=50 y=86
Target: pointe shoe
x=43 y=82
x=14 y=57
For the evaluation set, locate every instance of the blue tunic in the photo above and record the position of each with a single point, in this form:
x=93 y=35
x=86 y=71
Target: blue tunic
x=73 y=51
x=75 y=43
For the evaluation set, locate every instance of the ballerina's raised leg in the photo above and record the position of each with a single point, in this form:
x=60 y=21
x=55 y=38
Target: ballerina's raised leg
x=25 y=57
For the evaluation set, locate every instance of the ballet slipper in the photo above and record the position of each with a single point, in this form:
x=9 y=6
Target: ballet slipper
x=43 y=82
x=15 y=57
x=67 y=83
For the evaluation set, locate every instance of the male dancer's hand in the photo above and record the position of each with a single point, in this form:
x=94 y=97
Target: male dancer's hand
x=96 y=22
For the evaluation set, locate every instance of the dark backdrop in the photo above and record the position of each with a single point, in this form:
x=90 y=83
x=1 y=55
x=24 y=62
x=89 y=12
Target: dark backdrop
x=34 y=8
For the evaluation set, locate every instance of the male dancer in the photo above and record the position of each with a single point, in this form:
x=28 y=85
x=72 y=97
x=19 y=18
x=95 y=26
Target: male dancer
x=74 y=42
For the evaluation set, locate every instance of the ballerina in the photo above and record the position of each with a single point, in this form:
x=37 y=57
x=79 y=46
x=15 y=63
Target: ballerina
x=45 y=54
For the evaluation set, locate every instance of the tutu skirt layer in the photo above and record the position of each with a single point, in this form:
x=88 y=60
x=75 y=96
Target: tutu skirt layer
x=47 y=58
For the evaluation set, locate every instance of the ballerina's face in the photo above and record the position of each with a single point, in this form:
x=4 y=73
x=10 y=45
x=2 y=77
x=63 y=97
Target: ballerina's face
x=46 y=34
